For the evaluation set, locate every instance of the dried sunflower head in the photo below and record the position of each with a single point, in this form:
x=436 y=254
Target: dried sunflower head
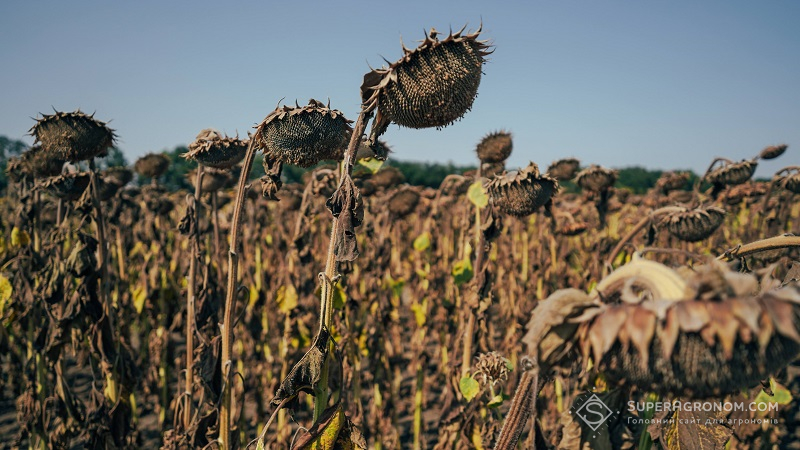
x=573 y=228
x=520 y=193
x=596 y=179
x=73 y=136
x=694 y=225
x=790 y=182
x=68 y=186
x=697 y=334
x=430 y=86
x=731 y=174
x=773 y=151
x=735 y=194
x=564 y=169
x=721 y=336
x=212 y=149
x=387 y=177
x=304 y=136
x=152 y=165
x=378 y=150
x=495 y=147
x=680 y=196
x=672 y=181
x=491 y=369
x=118 y=175
x=403 y=202
x=213 y=179
x=41 y=163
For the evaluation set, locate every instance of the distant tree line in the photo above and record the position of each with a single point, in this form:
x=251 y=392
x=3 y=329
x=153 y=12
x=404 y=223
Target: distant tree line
x=637 y=179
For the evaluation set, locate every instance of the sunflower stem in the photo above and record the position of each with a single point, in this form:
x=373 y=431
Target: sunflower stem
x=773 y=243
x=194 y=249
x=326 y=300
x=230 y=297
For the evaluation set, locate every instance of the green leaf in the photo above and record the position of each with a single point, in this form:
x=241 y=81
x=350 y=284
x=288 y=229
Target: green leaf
x=339 y=297
x=496 y=401
x=477 y=195
x=286 y=297
x=5 y=293
x=469 y=387
x=782 y=396
x=462 y=271
x=372 y=164
x=422 y=242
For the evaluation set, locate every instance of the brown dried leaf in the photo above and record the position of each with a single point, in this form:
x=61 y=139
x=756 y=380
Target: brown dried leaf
x=345 y=204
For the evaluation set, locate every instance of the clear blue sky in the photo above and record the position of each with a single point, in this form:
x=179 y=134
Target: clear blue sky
x=663 y=84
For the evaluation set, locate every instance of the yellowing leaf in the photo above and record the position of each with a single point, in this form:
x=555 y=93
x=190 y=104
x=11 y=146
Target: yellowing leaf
x=420 y=312
x=782 y=396
x=253 y=296
x=286 y=298
x=477 y=195
x=139 y=296
x=496 y=401
x=339 y=297
x=5 y=293
x=469 y=387
x=462 y=271
x=422 y=242
x=371 y=164
x=19 y=238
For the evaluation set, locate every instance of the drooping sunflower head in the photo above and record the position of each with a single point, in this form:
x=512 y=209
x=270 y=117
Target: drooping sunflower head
x=430 y=86
x=521 y=193
x=73 y=136
x=304 y=136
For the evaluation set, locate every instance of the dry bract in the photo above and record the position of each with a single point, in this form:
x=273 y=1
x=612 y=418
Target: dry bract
x=151 y=165
x=564 y=169
x=304 y=136
x=732 y=173
x=430 y=86
x=694 y=225
x=520 y=193
x=495 y=147
x=596 y=178
x=212 y=149
x=73 y=136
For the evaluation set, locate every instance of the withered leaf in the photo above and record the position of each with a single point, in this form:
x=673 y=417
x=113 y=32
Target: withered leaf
x=346 y=205
x=305 y=375
x=324 y=432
